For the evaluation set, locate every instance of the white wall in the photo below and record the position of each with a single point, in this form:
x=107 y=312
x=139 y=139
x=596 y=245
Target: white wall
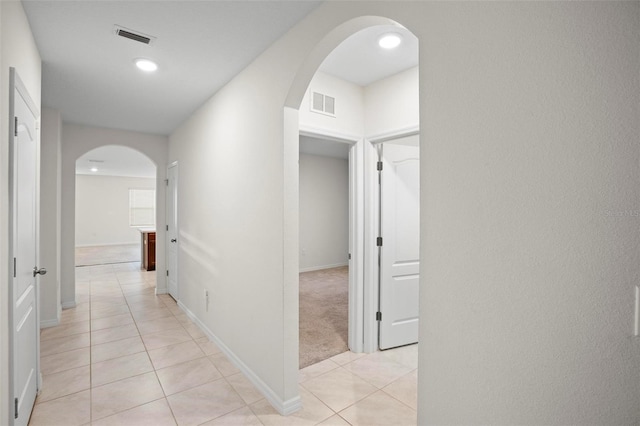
x=349 y=107
x=230 y=220
x=324 y=212
x=102 y=209
x=529 y=135
x=51 y=128
x=529 y=130
x=18 y=50
x=78 y=140
x=392 y=104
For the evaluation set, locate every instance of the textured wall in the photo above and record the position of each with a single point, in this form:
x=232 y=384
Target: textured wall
x=530 y=138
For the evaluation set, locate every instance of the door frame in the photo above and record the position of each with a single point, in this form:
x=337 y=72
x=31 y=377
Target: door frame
x=364 y=220
x=356 y=228
x=15 y=83
x=363 y=230
x=167 y=244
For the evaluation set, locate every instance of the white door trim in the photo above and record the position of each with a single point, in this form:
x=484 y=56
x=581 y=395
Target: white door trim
x=168 y=203
x=371 y=269
x=394 y=134
x=329 y=134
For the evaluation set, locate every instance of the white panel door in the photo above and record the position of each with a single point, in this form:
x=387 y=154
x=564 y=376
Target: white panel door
x=172 y=229
x=400 y=251
x=24 y=246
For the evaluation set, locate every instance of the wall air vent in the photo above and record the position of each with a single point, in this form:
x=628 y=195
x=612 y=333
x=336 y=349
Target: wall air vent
x=133 y=35
x=323 y=104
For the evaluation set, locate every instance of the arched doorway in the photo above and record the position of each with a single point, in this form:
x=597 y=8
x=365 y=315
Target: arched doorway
x=363 y=289
x=366 y=87
x=115 y=210
x=77 y=141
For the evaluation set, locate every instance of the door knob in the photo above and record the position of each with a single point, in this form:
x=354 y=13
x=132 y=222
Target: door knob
x=173 y=240
x=41 y=271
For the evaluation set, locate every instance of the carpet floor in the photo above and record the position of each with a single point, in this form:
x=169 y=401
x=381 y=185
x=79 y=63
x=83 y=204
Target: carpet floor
x=104 y=255
x=324 y=312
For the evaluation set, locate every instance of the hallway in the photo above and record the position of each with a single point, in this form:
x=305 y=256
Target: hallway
x=124 y=356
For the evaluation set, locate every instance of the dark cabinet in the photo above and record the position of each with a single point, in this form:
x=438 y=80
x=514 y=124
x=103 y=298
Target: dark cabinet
x=148 y=250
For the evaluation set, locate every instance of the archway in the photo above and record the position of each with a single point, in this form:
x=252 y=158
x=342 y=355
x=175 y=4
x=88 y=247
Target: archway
x=115 y=203
x=363 y=301
x=77 y=141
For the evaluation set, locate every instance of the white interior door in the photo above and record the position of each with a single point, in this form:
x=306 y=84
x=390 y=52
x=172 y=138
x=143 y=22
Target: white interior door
x=172 y=229
x=24 y=248
x=400 y=250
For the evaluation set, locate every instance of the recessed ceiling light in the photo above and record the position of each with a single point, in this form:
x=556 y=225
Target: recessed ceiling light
x=94 y=169
x=146 y=65
x=390 y=40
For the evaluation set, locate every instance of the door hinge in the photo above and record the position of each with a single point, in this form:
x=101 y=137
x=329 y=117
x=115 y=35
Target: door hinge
x=378 y=316
x=379 y=166
x=349 y=256
x=166 y=181
x=16 y=408
x=167 y=273
x=167 y=227
x=15 y=126
x=379 y=241
x=14 y=267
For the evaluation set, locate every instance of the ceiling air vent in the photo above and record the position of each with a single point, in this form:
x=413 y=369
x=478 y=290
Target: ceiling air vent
x=323 y=104
x=133 y=35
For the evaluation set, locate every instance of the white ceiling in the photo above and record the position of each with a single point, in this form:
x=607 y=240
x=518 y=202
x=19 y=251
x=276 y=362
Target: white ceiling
x=89 y=74
x=360 y=60
x=115 y=160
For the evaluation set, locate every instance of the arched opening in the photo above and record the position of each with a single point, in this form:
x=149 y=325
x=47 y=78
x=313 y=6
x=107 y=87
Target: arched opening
x=115 y=219
x=78 y=141
x=388 y=115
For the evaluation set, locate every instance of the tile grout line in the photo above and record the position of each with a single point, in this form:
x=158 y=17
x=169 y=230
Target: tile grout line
x=164 y=303
x=146 y=350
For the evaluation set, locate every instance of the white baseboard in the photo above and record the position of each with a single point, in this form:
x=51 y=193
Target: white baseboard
x=283 y=407
x=49 y=323
x=69 y=304
x=319 y=268
x=289 y=406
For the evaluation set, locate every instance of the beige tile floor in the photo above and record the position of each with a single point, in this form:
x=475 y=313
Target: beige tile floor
x=124 y=356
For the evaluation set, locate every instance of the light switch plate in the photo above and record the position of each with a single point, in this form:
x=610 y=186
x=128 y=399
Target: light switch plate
x=636 y=323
